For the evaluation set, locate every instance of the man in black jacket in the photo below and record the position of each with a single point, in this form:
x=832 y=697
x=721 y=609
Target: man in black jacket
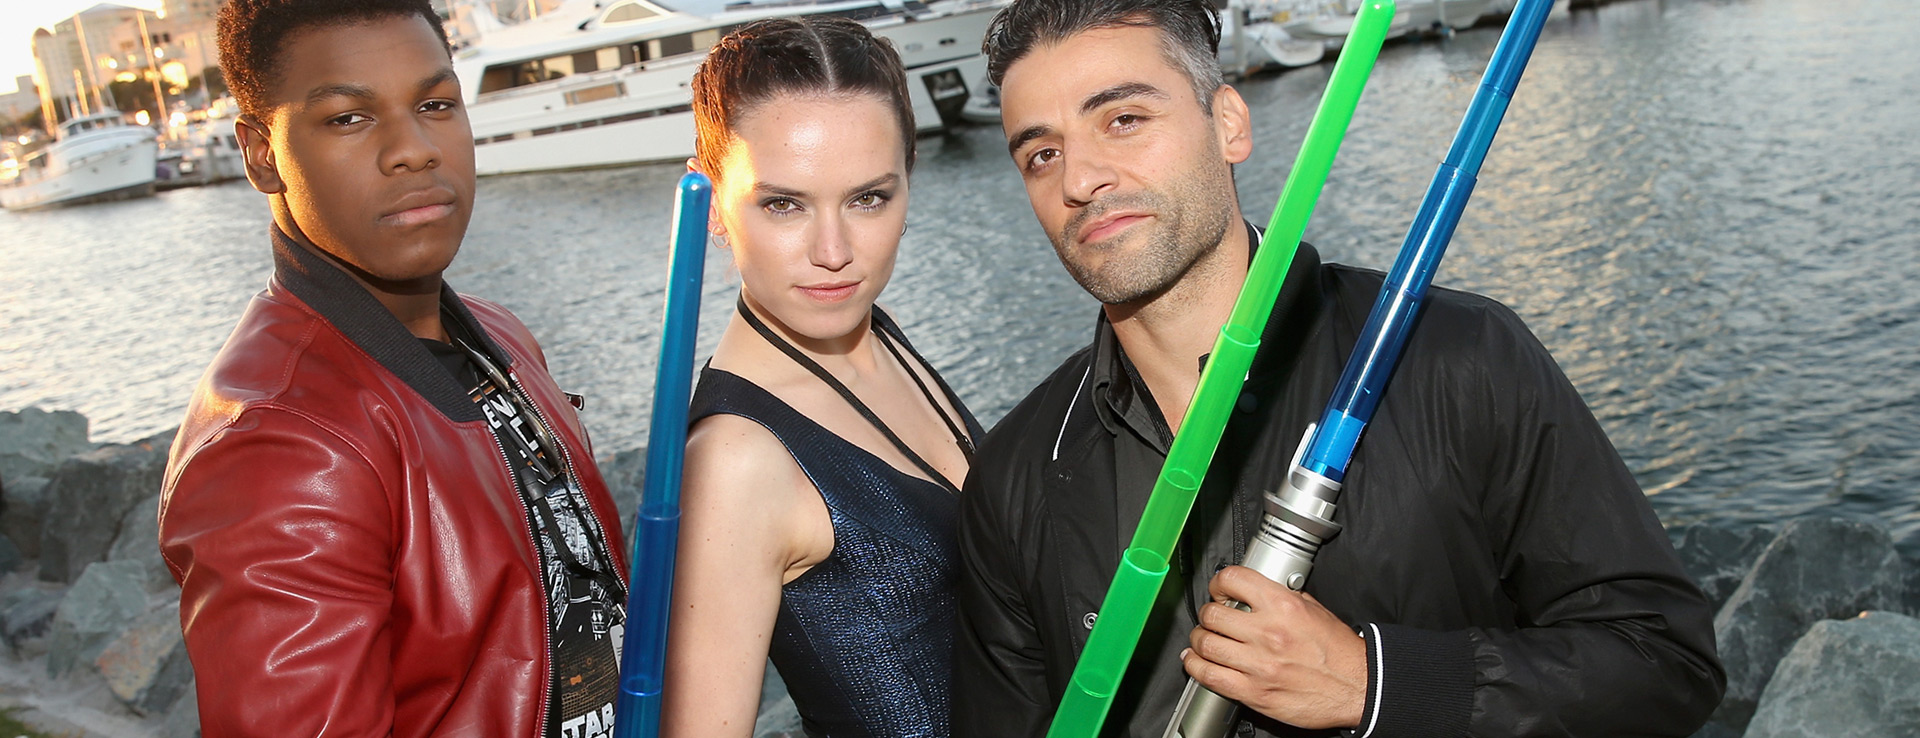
x=1500 y=572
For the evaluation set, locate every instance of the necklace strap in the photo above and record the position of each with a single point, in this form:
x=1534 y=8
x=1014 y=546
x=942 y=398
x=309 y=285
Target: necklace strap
x=833 y=382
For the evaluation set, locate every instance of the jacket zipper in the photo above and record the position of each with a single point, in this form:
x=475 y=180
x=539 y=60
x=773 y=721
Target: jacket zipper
x=540 y=581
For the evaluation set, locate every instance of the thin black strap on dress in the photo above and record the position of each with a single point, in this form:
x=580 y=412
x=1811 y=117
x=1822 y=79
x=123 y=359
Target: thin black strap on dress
x=846 y=394
x=959 y=436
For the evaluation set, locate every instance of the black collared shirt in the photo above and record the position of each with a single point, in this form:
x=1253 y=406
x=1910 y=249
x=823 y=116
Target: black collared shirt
x=1515 y=577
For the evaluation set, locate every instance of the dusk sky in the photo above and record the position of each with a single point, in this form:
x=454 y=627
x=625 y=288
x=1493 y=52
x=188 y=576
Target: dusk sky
x=21 y=17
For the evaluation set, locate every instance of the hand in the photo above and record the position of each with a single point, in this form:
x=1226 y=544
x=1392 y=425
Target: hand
x=1289 y=658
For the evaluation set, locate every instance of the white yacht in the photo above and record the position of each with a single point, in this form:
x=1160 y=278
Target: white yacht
x=606 y=83
x=201 y=152
x=97 y=157
x=1332 y=19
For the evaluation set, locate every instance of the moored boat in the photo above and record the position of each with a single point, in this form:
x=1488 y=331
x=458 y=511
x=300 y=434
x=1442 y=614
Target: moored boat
x=97 y=157
x=599 y=84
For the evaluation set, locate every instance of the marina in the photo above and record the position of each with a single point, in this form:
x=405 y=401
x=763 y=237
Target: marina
x=1706 y=210
x=1703 y=228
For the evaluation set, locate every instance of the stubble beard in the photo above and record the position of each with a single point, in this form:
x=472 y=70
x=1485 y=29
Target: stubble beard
x=1191 y=217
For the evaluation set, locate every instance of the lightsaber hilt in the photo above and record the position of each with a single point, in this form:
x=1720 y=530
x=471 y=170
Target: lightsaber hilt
x=1298 y=521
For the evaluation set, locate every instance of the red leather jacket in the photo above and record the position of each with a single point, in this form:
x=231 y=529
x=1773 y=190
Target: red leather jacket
x=353 y=556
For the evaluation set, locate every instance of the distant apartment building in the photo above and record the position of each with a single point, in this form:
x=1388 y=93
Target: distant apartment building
x=25 y=100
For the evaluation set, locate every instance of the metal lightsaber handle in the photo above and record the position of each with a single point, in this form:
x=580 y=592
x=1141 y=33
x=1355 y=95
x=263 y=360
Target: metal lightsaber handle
x=1298 y=521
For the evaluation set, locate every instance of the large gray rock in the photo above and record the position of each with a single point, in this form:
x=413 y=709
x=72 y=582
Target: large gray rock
x=778 y=718
x=10 y=556
x=27 y=613
x=26 y=505
x=1718 y=555
x=89 y=496
x=1816 y=569
x=33 y=441
x=1846 y=678
x=626 y=475
x=139 y=540
x=183 y=719
x=146 y=666
x=108 y=597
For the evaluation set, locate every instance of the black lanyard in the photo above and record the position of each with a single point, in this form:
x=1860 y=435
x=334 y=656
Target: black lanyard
x=959 y=436
x=548 y=467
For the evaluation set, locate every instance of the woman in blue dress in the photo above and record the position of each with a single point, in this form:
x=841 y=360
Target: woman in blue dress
x=825 y=459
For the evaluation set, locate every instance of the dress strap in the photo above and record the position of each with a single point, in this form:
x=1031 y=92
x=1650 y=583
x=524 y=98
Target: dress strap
x=814 y=367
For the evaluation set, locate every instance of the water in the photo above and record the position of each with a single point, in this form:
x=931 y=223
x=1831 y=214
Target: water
x=1706 y=209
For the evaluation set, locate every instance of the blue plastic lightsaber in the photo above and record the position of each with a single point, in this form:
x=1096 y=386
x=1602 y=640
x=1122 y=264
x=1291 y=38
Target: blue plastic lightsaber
x=1299 y=515
x=656 y=532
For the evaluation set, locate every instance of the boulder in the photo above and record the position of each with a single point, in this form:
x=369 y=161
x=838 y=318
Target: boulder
x=146 y=666
x=27 y=613
x=626 y=474
x=33 y=441
x=10 y=556
x=88 y=497
x=1718 y=555
x=183 y=719
x=1855 y=677
x=1816 y=569
x=26 y=505
x=139 y=540
x=778 y=718
x=106 y=599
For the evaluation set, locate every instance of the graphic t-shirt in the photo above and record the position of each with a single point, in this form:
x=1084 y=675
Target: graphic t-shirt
x=585 y=601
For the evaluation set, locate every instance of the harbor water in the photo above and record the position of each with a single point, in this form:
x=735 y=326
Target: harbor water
x=1708 y=210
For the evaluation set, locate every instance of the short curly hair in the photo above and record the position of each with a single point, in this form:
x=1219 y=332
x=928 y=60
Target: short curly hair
x=251 y=32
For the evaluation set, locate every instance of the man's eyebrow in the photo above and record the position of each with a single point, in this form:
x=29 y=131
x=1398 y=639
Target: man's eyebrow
x=363 y=92
x=323 y=92
x=1026 y=134
x=1119 y=92
x=444 y=75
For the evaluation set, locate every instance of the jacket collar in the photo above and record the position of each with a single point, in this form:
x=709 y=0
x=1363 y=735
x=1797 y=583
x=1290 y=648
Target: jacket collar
x=350 y=309
x=1123 y=402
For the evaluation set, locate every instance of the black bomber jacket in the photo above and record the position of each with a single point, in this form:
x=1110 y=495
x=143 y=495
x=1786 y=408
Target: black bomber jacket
x=1508 y=573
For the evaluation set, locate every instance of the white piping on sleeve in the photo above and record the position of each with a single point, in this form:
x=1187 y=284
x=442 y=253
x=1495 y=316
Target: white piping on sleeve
x=1379 y=680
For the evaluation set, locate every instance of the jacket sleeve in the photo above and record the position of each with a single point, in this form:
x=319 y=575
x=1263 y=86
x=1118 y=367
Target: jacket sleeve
x=999 y=671
x=280 y=534
x=1611 y=637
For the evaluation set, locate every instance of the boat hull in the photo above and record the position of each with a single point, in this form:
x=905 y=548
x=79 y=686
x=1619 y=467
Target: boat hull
x=122 y=172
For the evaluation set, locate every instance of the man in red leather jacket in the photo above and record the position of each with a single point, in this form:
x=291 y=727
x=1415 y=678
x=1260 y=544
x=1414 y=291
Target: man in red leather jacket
x=383 y=514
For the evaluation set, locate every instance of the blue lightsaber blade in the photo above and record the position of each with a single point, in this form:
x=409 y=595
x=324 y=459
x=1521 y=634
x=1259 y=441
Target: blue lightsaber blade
x=656 y=534
x=1299 y=515
x=1391 y=322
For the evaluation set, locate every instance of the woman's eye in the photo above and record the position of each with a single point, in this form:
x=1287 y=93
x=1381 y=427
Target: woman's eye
x=870 y=201
x=782 y=206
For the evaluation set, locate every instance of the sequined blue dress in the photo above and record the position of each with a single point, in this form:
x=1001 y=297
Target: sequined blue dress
x=864 y=638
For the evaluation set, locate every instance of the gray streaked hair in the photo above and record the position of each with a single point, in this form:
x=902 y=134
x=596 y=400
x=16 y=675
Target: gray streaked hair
x=1189 y=34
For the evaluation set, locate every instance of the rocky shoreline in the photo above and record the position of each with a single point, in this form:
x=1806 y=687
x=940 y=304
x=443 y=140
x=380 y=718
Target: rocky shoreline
x=1816 y=621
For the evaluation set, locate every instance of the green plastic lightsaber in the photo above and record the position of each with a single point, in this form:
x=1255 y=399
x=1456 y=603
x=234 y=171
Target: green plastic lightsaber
x=1143 y=566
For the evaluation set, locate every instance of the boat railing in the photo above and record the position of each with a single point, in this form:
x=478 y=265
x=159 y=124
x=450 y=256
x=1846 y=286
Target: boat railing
x=575 y=82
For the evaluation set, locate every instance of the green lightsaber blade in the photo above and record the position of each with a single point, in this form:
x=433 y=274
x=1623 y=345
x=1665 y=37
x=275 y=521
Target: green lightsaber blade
x=1143 y=567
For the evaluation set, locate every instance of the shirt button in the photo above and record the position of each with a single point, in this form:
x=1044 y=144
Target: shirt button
x=1247 y=402
x=1088 y=619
